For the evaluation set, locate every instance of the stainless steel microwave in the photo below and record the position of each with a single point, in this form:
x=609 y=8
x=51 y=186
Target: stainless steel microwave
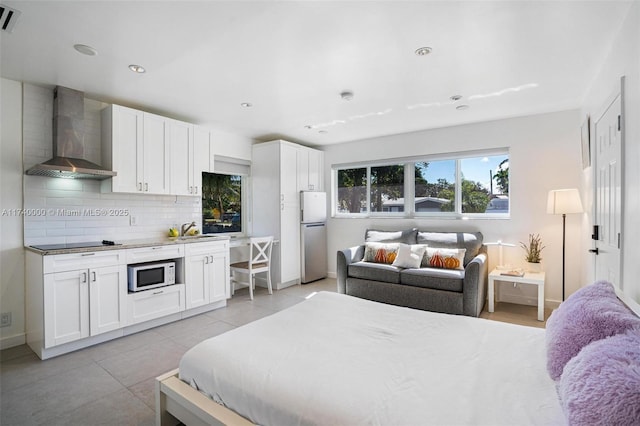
x=145 y=276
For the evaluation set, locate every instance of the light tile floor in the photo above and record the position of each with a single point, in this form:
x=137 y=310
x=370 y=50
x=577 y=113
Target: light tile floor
x=113 y=383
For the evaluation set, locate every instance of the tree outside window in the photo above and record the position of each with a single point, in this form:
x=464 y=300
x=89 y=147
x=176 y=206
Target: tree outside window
x=352 y=190
x=221 y=203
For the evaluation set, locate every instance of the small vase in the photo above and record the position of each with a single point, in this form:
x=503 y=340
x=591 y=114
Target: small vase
x=534 y=267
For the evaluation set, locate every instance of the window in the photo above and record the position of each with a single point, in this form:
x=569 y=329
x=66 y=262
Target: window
x=435 y=188
x=466 y=184
x=352 y=190
x=387 y=189
x=221 y=203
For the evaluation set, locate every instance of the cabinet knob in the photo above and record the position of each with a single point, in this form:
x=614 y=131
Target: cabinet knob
x=146 y=187
x=84 y=277
x=139 y=186
x=94 y=279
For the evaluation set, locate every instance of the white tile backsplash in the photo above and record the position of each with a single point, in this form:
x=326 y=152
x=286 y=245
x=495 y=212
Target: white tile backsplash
x=70 y=206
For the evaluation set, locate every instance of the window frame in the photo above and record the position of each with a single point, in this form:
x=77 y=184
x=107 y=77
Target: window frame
x=409 y=186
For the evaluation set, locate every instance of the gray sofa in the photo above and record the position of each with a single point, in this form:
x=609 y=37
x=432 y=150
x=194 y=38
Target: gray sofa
x=433 y=289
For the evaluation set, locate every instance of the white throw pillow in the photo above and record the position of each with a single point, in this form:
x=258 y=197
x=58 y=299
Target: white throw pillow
x=410 y=256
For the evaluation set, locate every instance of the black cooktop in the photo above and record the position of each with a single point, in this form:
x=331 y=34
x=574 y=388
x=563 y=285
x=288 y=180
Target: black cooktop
x=75 y=245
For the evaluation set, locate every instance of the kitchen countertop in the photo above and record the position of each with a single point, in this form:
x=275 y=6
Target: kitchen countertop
x=128 y=244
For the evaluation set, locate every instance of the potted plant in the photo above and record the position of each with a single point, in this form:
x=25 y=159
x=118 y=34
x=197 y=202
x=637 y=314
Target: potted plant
x=533 y=250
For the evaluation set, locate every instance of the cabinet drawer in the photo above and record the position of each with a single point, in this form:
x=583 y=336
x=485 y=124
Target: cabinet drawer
x=150 y=254
x=156 y=303
x=76 y=261
x=194 y=249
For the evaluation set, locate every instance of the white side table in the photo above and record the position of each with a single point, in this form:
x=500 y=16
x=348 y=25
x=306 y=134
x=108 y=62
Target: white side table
x=535 y=278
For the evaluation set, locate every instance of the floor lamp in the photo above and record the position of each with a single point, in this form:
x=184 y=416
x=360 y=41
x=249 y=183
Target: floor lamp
x=564 y=201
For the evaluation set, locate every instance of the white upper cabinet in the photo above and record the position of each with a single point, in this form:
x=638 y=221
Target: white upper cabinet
x=135 y=144
x=310 y=162
x=190 y=153
x=181 y=158
x=153 y=154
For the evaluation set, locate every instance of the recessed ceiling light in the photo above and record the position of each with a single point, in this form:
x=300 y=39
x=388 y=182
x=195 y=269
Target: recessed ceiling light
x=85 y=50
x=137 y=68
x=246 y=105
x=423 y=51
x=346 y=95
x=455 y=98
x=462 y=107
x=323 y=132
x=308 y=127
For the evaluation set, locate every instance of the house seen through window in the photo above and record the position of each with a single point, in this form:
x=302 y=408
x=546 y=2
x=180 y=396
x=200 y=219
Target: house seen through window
x=221 y=203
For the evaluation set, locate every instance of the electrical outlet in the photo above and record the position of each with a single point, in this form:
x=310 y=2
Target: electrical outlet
x=5 y=319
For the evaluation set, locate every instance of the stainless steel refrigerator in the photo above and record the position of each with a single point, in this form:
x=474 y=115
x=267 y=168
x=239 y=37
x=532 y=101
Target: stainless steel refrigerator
x=313 y=235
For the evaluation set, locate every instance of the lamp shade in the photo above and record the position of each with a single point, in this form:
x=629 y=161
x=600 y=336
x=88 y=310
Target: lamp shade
x=562 y=201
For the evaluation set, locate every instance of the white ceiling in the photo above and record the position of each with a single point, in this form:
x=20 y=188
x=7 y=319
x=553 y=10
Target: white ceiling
x=292 y=60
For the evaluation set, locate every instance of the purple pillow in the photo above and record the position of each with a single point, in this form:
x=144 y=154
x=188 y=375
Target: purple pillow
x=591 y=313
x=601 y=385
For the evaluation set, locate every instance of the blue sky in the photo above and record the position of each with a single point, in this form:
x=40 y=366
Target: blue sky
x=475 y=169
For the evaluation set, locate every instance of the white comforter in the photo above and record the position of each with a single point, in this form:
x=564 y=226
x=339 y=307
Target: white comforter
x=339 y=360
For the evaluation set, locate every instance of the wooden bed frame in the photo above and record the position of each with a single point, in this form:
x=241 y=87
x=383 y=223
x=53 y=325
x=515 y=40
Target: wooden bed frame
x=177 y=402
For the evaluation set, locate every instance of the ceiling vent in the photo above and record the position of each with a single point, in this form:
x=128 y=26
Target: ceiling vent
x=8 y=18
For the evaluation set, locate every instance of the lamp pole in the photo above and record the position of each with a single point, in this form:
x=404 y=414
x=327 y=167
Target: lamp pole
x=564 y=218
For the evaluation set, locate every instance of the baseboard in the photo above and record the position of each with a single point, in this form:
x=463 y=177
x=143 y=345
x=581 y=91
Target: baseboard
x=11 y=341
x=332 y=275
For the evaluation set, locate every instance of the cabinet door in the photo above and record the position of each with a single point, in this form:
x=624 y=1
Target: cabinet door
x=66 y=307
x=107 y=291
x=197 y=280
x=155 y=155
x=201 y=158
x=290 y=244
x=127 y=149
x=181 y=158
x=315 y=170
x=303 y=169
x=219 y=273
x=289 y=175
x=151 y=304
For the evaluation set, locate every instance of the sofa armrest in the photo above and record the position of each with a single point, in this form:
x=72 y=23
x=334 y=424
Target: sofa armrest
x=475 y=285
x=346 y=257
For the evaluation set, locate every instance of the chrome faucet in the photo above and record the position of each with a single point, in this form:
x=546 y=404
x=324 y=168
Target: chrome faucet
x=184 y=230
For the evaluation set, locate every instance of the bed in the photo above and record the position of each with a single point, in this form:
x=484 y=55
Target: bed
x=337 y=359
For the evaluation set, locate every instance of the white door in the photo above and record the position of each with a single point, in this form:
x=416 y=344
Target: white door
x=156 y=154
x=180 y=158
x=219 y=275
x=201 y=158
x=127 y=149
x=197 y=280
x=608 y=193
x=107 y=291
x=66 y=307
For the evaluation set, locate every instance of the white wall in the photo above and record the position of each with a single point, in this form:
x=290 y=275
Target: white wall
x=622 y=60
x=544 y=154
x=11 y=251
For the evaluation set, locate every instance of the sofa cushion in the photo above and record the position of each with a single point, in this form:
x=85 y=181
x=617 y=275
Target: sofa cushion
x=437 y=279
x=375 y=272
x=444 y=258
x=466 y=240
x=380 y=252
x=407 y=236
x=410 y=256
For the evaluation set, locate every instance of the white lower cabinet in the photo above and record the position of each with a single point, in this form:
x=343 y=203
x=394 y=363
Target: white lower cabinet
x=83 y=303
x=76 y=300
x=206 y=273
x=151 y=304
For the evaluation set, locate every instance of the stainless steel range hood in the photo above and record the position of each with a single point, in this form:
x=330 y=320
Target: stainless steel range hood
x=68 y=141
